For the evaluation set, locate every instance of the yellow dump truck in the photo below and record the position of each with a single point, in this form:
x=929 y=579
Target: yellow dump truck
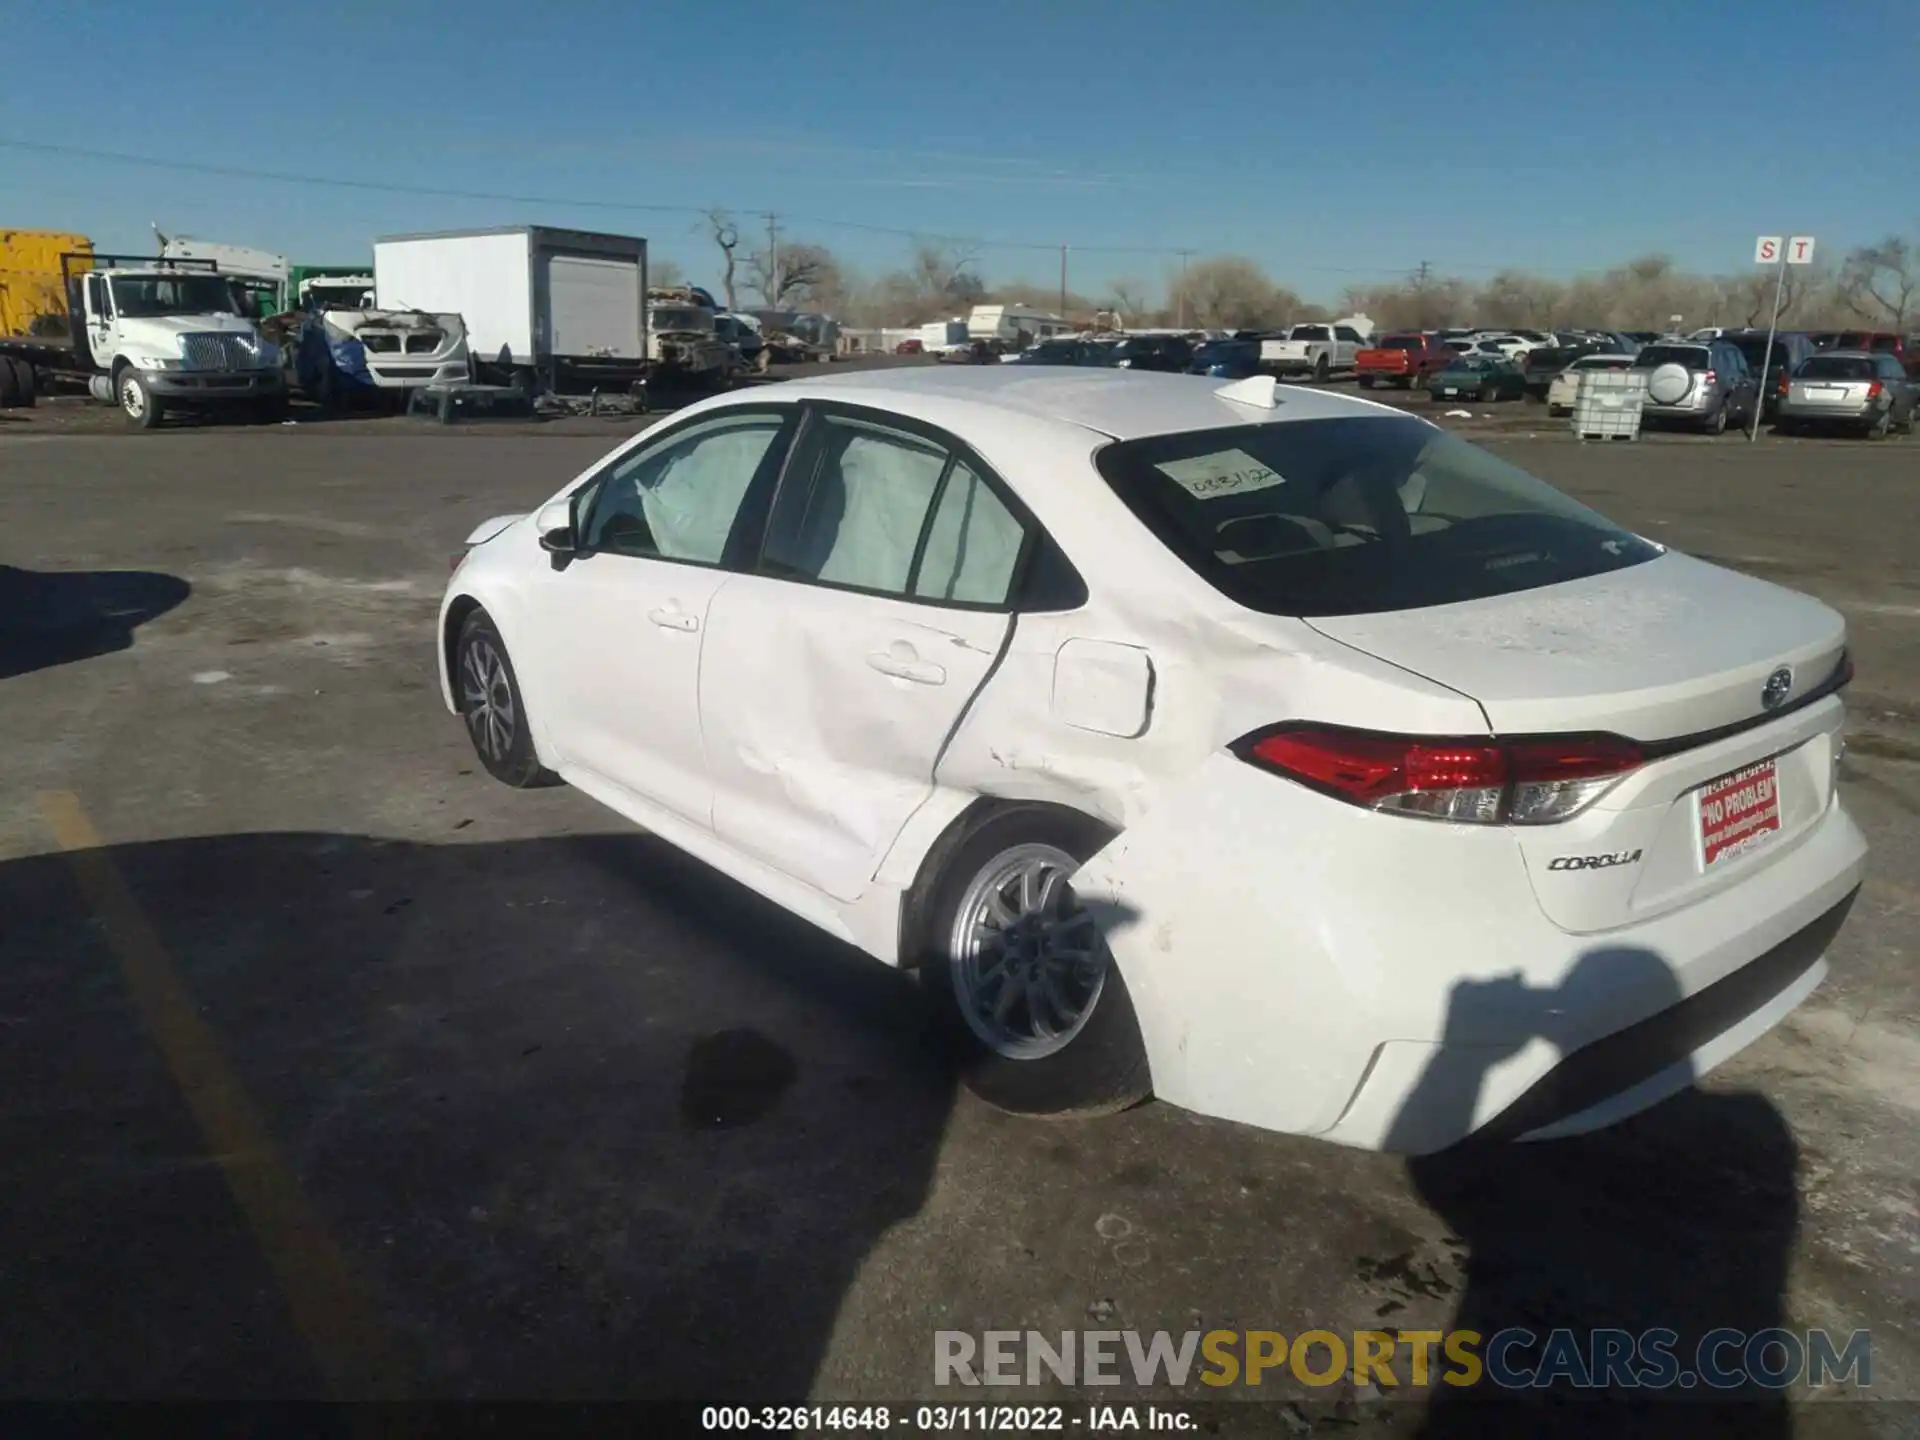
x=33 y=297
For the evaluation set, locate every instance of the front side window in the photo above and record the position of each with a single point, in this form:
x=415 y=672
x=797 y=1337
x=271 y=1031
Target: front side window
x=678 y=499
x=1355 y=516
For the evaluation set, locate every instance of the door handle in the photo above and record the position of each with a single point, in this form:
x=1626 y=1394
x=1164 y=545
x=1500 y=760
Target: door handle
x=672 y=617
x=920 y=672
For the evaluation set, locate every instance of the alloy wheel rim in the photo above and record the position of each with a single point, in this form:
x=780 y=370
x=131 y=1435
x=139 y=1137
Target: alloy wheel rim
x=487 y=699
x=1028 y=963
x=131 y=399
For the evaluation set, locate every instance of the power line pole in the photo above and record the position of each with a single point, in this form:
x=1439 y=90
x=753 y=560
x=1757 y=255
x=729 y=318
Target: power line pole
x=1184 y=256
x=1422 y=272
x=773 y=260
x=1063 y=282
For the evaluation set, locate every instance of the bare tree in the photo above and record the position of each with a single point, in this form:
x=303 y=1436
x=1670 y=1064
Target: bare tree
x=727 y=236
x=1231 y=292
x=1877 y=282
x=1128 y=296
x=804 y=270
x=939 y=267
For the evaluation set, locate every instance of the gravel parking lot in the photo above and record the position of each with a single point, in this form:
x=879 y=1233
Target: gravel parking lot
x=328 y=1066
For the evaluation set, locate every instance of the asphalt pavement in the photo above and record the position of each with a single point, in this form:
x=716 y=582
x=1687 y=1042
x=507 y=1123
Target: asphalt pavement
x=328 y=1067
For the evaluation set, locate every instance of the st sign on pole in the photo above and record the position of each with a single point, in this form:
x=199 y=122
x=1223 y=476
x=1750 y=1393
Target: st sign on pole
x=1768 y=250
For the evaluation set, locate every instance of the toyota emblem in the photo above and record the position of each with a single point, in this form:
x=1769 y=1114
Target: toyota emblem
x=1779 y=685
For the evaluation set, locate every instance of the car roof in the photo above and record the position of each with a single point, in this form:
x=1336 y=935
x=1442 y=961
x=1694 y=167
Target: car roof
x=1121 y=404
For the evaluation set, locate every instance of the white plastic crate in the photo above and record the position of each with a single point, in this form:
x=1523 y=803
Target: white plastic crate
x=1609 y=403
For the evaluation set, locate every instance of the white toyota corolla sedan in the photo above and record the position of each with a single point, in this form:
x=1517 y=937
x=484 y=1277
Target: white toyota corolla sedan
x=1272 y=752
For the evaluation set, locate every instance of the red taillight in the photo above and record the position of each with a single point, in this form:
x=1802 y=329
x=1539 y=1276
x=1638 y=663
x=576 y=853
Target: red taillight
x=1708 y=377
x=1783 y=384
x=1528 y=781
x=1873 y=390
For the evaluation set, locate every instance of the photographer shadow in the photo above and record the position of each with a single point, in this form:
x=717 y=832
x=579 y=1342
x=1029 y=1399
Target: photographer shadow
x=1680 y=1218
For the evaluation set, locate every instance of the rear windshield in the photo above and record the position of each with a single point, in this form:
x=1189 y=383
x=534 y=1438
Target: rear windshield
x=1755 y=346
x=1401 y=342
x=1310 y=332
x=1836 y=367
x=1853 y=340
x=1359 y=515
x=1694 y=357
x=1604 y=362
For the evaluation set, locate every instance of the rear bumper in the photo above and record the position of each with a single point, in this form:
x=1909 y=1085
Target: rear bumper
x=1857 y=413
x=1302 y=965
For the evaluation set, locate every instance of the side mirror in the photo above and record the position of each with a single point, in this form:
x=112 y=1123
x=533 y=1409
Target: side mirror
x=555 y=526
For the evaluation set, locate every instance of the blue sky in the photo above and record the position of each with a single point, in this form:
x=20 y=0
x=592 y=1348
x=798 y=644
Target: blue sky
x=1335 y=143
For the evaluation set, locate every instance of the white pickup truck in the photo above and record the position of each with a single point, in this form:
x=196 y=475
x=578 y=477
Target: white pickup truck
x=1316 y=350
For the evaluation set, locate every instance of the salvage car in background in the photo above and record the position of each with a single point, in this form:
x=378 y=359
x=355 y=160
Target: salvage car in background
x=1478 y=377
x=1409 y=358
x=1031 y=682
x=1704 y=385
x=1227 y=359
x=1565 y=389
x=1862 y=390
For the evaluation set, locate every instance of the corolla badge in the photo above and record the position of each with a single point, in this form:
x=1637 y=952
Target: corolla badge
x=1779 y=685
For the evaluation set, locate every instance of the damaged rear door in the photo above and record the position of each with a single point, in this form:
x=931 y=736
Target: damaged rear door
x=834 y=675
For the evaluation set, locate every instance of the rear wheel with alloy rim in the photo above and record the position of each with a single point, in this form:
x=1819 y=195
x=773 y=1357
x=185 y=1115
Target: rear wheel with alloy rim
x=491 y=705
x=1020 y=974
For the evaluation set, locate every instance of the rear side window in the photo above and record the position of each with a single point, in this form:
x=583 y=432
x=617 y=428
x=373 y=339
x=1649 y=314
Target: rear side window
x=1836 y=367
x=1310 y=332
x=867 y=507
x=1355 y=516
x=1401 y=342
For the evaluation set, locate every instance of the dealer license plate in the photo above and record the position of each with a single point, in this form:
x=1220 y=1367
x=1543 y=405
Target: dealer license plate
x=1738 y=812
x=1449 y=391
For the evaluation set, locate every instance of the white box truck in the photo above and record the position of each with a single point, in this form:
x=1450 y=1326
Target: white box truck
x=547 y=309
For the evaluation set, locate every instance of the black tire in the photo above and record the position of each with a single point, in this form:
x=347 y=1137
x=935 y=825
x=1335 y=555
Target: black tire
x=1322 y=368
x=1102 y=1068
x=136 y=399
x=1878 y=429
x=499 y=734
x=9 y=383
x=270 y=411
x=16 y=376
x=1718 y=424
x=1366 y=382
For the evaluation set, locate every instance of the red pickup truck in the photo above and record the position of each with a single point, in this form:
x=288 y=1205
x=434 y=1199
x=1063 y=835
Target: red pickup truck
x=1410 y=358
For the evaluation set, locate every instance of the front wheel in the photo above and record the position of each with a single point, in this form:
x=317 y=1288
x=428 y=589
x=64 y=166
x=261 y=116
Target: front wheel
x=1020 y=975
x=137 y=402
x=488 y=693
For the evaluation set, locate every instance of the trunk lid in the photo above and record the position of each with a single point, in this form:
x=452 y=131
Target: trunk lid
x=1669 y=648
x=1676 y=654
x=1840 y=394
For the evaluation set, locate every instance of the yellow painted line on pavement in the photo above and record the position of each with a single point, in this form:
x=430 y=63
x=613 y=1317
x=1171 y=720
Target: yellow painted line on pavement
x=327 y=1304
